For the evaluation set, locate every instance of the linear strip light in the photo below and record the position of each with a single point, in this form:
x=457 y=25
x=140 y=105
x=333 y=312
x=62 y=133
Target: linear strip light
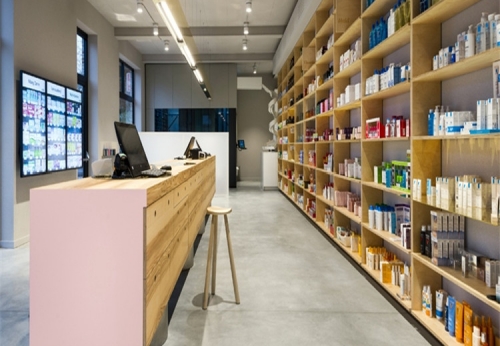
x=169 y=20
x=198 y=76
x=187 y=54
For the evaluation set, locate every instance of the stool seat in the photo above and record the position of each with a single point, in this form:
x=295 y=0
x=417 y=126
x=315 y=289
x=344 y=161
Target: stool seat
x=218 y=210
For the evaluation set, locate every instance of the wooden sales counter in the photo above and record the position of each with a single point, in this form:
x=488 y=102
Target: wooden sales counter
x=105 y=254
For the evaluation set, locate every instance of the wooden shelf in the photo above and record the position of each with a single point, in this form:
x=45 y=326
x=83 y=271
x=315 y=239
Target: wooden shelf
x=463 y=67
x=324 y=114
x=343 y=210
x=350 y=70
x=323 y=170
x=393 y=190
x=423 y=200
x=327 y=28
x=347 y=141
x=393 y=290
x=350 y=35
x=326 y=58
x=378 y=8
x=298 y=63
x=354 y=255
x=456 y=137
x=389 y=237
x=326 y=85
x=311 y=72
x=349 y=106
x=399 y=39
x=324 y=200
x=390 y=139
x=398 y=89
x=436 y=328
x=442 y=11
x=352 y=180
x=469 y=284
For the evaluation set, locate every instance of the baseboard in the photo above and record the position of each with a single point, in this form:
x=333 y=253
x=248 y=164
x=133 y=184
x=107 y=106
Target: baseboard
x=11 y=244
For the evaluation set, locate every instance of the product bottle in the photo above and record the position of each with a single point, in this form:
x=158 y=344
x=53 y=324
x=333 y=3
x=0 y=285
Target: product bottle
x=388 y=129
x=498 y=290
x=436 y=121
x=497 y=27
x=492 y=30
x=371 y=216
x=487 y=31
x=481 y=34
x=430 y=122
x=390 y=22
x=470 y=42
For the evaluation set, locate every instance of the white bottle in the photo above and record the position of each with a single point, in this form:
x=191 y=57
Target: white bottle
x=470 y=42
x=497 y=26
x=493 y=31
x=481 y=34
x=487 y=31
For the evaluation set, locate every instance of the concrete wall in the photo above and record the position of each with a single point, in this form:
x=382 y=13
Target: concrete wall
x=39 y=36
x=252 y=125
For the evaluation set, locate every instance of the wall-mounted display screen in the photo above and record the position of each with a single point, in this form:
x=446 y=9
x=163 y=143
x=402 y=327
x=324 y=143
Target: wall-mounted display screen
x=56 y=127
x=74 y=127
x=50 y=116
x=33 y=126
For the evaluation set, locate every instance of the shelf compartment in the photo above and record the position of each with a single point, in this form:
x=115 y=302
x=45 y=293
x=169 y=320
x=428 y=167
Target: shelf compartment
x=326 y=58
x=390 y=44
x=351 y=34
x=352 y=180
x=344 y=211
x=423 y=200
x=442 y=11
x=378 y=8
x=463 y=67
x=355 y=256
x=393 y=290
x=350 y=70
x=394 y=190
x=326 y=85
x=389 y=237
x=471 y=285
x=327 y=28
x=349 y=106
x=324 y=114
x=396 y=90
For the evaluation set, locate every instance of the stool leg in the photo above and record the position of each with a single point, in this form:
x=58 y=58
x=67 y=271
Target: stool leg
x=214 y=253
x=209 y=265
x=231 y=260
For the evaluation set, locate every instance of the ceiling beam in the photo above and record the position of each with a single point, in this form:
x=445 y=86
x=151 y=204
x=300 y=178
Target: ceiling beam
x=130 y=33
x=208 y=58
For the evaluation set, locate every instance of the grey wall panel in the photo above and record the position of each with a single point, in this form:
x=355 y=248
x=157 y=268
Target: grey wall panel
x=163 y=83
x=198 y=98
x=232 y=89
x=181 y=86
x=219 y=81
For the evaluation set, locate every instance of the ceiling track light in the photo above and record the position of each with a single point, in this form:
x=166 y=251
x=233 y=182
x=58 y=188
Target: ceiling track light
x=245 y=28
x=198 y=76
x=167 y=46
x=187 y=54
x=155 y=29
x=254 y=68
x=169 y=20
x=139 y=6
x=249 y=6
x=245 y=44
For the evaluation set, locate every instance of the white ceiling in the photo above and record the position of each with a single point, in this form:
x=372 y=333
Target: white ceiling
x=216 y=27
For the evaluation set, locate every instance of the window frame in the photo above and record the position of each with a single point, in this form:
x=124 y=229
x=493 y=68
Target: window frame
x=123 y=95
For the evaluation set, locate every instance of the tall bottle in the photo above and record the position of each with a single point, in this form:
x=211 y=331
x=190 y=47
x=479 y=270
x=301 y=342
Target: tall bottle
x=481 y=34
x=497 y=27
x=470 y=42
x=492 y=30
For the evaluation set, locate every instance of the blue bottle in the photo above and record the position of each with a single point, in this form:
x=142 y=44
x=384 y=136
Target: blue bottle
x=430 y=122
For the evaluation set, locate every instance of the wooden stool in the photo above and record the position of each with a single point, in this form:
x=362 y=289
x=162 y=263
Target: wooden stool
x=212 y=253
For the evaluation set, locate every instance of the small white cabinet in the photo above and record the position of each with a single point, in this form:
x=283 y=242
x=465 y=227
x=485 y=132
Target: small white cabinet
x=269 y=170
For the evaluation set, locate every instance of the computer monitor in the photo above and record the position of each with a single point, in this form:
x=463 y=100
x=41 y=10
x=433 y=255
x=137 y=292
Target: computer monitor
x=131 y=145
x=241 y=144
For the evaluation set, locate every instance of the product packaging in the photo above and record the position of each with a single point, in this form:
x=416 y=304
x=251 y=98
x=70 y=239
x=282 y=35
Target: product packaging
x=459 y=322
x=451 y=315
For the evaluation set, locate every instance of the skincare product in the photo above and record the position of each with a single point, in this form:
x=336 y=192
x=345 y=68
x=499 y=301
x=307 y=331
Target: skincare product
x=451 y=315
x=440 y=300
x=498 y=290
x=470 y=42
x=459 y=322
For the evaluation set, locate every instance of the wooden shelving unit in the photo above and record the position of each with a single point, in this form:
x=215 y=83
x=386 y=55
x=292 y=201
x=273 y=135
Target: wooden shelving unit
x=430 y=155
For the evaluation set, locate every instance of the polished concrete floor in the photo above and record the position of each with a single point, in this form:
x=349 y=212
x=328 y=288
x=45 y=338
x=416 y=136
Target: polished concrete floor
x=295 y=287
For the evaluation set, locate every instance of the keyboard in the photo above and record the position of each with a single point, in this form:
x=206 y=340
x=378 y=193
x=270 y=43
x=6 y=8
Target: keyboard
x=153 y=172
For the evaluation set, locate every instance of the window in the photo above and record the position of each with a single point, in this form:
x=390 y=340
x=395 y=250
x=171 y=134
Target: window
x=126 y=93
x=83 y=80
x=193 y=120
